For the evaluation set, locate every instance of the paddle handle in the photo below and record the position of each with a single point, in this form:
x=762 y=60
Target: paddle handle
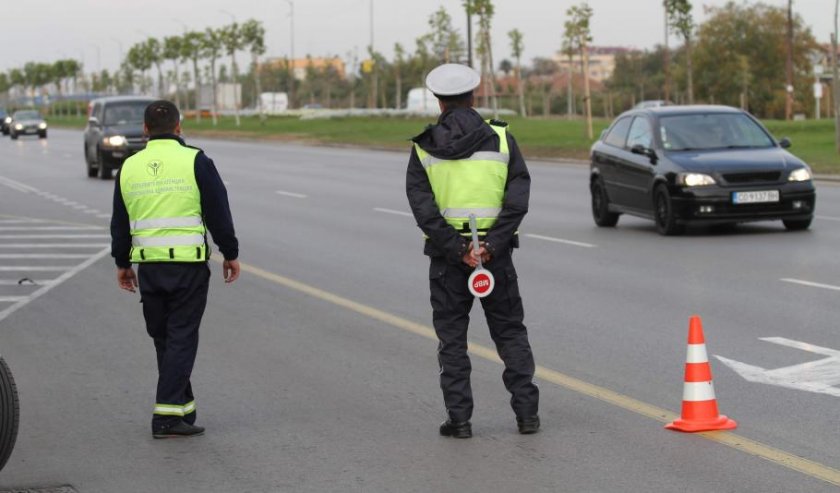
x=474 y=231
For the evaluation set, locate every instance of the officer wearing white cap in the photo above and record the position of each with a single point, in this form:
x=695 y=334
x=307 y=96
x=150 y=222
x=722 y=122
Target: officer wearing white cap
x=459 y=167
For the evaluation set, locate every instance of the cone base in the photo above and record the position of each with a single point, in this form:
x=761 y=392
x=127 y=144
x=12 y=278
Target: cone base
x=694 y=426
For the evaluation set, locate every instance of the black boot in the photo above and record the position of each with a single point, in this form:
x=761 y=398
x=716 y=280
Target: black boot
x=456 y=429
x=529 y=425
x=178 y=430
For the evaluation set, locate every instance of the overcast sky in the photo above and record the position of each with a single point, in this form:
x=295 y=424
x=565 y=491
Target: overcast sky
x=97 y=30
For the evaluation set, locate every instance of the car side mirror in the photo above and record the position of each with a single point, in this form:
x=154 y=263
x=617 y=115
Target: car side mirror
x=645 y=151
x=93 y=121
x=785 y=143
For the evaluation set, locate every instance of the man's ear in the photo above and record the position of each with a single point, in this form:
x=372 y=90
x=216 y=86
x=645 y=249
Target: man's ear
x=440 y=104
x=178 y=128
x=146 y=130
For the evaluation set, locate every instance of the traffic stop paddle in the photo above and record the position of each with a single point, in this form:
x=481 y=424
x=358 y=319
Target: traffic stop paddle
x=481 y=281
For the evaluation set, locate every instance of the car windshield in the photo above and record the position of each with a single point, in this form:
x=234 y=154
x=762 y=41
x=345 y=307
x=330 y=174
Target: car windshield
x=27 y=115
x=711 y=131
x=125 y=113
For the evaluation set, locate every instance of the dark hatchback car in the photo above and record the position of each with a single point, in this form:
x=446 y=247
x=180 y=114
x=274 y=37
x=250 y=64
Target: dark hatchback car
x=681 y=165
x=27 y=122
x=113 y=133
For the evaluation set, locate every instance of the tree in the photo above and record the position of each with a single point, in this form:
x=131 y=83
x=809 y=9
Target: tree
x=138 y=59
x=681 y=21
x=577 y=30
x=172 y=51
x=192 y=46
x=757 y=32
x=517 y=47
x=253 y=36
x=5 y=85
x=231 y=37
x=399 y=61
x=154 y=52
x=211 y=48
x=484 y=10
x=444 y=42
x=835 y=92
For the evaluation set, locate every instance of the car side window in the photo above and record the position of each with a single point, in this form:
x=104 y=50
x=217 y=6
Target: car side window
x=618 y=133
x=97 y=111
x=641 y=133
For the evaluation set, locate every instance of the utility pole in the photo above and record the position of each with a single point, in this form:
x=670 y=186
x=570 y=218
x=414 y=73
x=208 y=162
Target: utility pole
x=666 y=63
x=468 y=6
x=789 y=64
x=292 y=54
x=835 y=81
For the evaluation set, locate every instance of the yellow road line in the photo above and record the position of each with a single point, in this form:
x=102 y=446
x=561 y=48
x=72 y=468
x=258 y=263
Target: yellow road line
x=735 y=441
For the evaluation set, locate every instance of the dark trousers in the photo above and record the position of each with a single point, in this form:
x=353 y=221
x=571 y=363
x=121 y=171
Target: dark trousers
x=174 y=296
x=451 y=305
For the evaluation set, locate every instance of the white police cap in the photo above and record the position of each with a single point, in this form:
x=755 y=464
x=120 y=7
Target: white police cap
x=452 y=79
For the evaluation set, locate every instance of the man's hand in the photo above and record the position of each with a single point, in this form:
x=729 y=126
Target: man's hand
x=471 y=256
x=127 y=279
x=230 y=270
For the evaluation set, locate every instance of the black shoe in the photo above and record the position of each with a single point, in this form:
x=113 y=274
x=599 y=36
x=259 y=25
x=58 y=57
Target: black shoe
x=456 y=429
x=178 y=430
x=528 y=426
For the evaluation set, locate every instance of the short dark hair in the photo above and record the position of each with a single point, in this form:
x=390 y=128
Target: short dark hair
x=161 y=117
x=464 y=100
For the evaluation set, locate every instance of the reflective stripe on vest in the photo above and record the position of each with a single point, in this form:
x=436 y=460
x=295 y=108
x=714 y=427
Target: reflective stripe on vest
x=164 y=205
x=472 y=185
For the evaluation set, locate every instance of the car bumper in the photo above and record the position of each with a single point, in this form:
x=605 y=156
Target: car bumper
x=30 y=130
x=714 y=205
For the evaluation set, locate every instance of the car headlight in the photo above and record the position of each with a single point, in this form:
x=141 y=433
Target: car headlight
x=18 y=127
x=695 y=180
x=7 y=120
x=42 y=125
x=801 y=174
x=115 y=141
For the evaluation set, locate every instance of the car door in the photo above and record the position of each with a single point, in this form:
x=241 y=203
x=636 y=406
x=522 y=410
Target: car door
x=606 y=157
x=635 y=172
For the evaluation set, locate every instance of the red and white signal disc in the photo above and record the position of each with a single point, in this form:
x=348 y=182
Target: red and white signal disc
x=481 y=283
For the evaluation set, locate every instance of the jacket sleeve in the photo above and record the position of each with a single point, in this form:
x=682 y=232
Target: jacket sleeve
x=120 y=229
x=215 y=206
x=422 y=201
x=500 y=238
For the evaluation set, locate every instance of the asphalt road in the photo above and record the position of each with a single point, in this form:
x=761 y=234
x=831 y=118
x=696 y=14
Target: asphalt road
x=317 y=370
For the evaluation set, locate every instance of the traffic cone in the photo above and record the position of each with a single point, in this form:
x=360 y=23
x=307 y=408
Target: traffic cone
x=699 y=406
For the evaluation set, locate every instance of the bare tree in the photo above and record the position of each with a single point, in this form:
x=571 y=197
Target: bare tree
x=577 y=28
x=484 y=10
x=679 y=14
x=192 y=47
x=517 y=47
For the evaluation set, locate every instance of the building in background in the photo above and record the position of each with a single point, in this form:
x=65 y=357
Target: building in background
x=301 y=65
x=601 y=61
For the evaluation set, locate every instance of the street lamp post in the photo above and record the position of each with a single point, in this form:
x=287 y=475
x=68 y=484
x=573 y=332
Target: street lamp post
x=291 y=53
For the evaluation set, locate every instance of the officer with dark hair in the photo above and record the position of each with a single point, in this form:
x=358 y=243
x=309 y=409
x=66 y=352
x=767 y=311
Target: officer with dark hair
x=459 y=167
x=166 y=198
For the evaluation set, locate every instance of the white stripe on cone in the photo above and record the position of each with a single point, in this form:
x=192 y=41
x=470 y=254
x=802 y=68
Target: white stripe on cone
x=698 y=391
x=696 y=354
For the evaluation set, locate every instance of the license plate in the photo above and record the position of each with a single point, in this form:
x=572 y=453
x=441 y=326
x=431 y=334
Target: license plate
x=755 y=197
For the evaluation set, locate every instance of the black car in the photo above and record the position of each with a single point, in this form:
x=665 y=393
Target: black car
x=682 y=165
x=114 y=132
x=5 y=119
x=27 y=122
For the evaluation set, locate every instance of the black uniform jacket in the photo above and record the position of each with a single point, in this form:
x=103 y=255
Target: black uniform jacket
x=458 y=134
x=214 y=207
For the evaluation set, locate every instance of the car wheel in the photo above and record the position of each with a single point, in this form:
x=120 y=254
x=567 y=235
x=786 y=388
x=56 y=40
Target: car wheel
x=9 y=411
x=104 y=171
x=797 y=224
x=42 y=135
x=663 y=209
x=601 y=205
x=13 y=135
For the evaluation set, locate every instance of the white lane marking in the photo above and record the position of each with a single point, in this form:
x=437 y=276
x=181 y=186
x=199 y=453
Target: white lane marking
x=92 y=211
x=58 y=246
x=44 y=289
x=16 y=282
x=827 y=218
x=50 y=228
x=821 y=376
x=20 y=221
x=291 y=194
x=49 y=237
x=560 y=240
x=33 y=268
x=11 y=299
x=16 y=185
x=103 y=216
x=392 y=211
x=811 y=284
x=42 y=255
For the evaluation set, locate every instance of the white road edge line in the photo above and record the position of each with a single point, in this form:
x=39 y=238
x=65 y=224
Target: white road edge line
x=560 y=240
x=42 y=255
x=291 y=194
x=58 y=246
x=827 y=218
x=392 y=211
x=49 y=237
x=11 y=299
x=43 y=290
x=811 y=284
x=34 y=268
x=51 y=228
x=35 y=282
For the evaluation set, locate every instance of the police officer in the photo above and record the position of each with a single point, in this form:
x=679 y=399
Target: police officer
x=165 y=199
x=461 y=166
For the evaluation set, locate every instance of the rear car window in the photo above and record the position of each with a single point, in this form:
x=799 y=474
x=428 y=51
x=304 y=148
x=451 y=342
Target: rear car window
x=124 y=113
x=618 y=134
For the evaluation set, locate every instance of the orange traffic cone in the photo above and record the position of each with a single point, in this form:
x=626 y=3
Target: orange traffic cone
x=699 y=406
